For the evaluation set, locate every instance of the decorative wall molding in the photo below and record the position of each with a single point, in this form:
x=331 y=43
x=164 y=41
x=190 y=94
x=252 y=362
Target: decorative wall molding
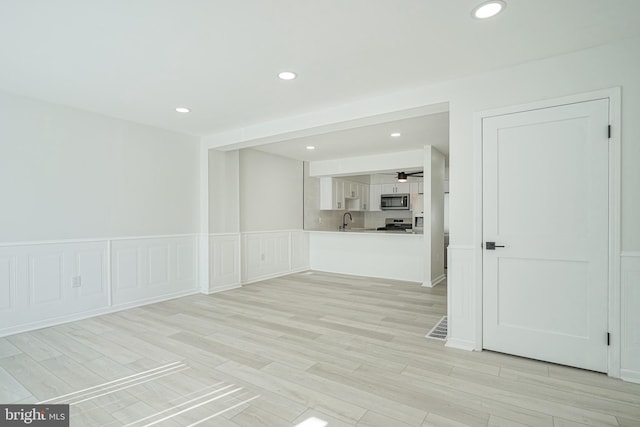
x=272 y=254
x=51 y=282
x=143 y=269
x=630 y=325
x=224 y=262
x=461 y=308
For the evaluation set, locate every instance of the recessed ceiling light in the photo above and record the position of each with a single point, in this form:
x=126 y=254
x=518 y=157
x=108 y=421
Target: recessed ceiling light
x=287 y=75
x=488 y=9
x=310 y=147
x=396 y=134
x=183 y=110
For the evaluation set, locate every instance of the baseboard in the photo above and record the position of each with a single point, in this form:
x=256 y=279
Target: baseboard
x=630 y=376
x=151 y=300
x=275 y=275
x=211 y=291
x=435 y=281
x=460 y=344
x=27 y=327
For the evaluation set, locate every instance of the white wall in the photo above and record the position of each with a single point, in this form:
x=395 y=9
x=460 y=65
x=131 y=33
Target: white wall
x=68 y=174
x=98 y=214
x=224 y=191
x=271 y=192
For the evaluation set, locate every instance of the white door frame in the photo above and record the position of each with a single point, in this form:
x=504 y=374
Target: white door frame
x=614 y=306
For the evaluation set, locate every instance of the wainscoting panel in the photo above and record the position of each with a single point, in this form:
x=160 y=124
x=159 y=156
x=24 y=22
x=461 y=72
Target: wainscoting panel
x=265 y=255
x=91 y=268
x=159 y=265
x=299 y=251
x=44 y=284
x=126 y=271
x=151 y=269
x=45 y=277
x=273 y=253
x=186 y=254
x=630 y=324
x=461 y=298
x=224 y=262
x=7 y=282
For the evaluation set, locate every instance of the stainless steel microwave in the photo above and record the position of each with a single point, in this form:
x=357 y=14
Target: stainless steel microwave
x=394 y=202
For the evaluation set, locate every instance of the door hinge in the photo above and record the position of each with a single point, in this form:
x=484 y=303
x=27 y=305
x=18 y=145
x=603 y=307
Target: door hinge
x=608 y=338
x=609 y=131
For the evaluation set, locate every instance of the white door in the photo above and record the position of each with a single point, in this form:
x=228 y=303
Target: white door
x=545 y=199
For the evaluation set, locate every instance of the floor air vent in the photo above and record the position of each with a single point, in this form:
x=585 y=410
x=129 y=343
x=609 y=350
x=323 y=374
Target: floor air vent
x=439 y=332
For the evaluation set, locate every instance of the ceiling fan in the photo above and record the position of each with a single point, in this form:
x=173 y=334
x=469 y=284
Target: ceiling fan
x=402 y=176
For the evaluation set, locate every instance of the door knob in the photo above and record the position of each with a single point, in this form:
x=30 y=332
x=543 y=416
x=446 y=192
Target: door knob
x=491 y=246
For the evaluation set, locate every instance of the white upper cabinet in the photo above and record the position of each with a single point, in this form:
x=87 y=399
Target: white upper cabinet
x=363 y=190
x=351 y=190
x=331 y=193
x=342 y=194
x=338 y=193
x=396 y=188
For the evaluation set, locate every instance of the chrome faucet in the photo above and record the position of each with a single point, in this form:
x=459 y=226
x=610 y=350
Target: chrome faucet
x=344 y=220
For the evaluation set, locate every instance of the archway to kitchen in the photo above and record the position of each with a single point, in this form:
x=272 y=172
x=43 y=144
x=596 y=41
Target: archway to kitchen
x=363 y=159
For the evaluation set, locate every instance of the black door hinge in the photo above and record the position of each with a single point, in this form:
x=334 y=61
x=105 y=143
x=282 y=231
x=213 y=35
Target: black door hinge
x=609 y=132
x=608 y=338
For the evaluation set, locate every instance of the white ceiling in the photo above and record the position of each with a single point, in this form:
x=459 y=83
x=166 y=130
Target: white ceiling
x=415 y=132
x=138 y=60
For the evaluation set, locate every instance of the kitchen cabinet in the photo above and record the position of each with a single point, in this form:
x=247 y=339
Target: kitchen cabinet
x=363 y=190
x=338 y=193
x=351 y=190
x=396 y=188
x=375 y=191
x=331 y=193
x=342 y=194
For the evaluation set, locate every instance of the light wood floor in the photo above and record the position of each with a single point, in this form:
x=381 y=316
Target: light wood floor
x=348 y=350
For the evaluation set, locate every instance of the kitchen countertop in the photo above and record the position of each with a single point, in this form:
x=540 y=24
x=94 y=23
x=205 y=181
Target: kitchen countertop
x=369 y=231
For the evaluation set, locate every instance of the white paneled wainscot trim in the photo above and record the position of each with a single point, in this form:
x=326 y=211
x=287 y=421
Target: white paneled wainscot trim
x=152 y=269
x=271 y=254
x=47 y=283
x=224 y=262
x=630 y=327
x=461 y=300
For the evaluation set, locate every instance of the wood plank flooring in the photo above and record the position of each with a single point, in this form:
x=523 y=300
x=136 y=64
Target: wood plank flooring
x=348 y=350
